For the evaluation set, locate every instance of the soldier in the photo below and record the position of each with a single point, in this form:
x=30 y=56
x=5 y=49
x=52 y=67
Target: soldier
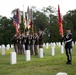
x=36 y=43
x=40 y=38
x=68 y=45
x=26 y=41
x=20 y=44
x=31 y=43
x=15 y=42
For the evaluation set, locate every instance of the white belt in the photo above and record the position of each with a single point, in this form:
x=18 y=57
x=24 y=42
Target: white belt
x=68 y=41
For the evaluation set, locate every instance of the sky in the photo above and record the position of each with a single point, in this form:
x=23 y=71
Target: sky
x=6 y=6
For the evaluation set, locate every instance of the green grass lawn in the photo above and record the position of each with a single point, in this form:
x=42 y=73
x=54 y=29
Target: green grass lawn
x=49 y=65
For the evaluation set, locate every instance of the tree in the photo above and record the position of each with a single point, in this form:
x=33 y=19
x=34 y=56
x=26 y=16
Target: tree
x=69 y=20
x=6 y=30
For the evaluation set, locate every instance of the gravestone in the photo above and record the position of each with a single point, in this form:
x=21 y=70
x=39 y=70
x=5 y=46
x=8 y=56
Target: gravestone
x=27 y=55
x=13 y=58
x=59 y=44
x=0 y=48
x=12 y=46
x=3 y=49
x=44 y=45
x=7 y=47
x=52 y=51
x=72 y=43
x=41 y=53
x=62 y=49
x=47 y=45
x=75 y=42
x=61 y=73
x=54 y=44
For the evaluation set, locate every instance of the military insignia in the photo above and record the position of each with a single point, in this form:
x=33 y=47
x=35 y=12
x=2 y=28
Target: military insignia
x=67 y=36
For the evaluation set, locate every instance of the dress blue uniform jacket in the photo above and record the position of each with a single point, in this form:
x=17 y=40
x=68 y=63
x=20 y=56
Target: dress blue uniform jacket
x=68 y=41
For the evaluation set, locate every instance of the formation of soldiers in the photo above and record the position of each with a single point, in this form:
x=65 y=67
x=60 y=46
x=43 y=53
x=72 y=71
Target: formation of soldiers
x=28 y=41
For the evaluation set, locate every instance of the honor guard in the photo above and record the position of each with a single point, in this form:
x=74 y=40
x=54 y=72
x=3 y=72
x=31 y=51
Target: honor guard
x=36 y=43
x=15 y=42
x=40 y=38
x=31 y=43
x=68 y=45
x=26 y=41
x=20 y=44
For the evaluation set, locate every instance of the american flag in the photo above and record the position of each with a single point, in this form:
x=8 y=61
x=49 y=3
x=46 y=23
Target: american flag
x=15 y=22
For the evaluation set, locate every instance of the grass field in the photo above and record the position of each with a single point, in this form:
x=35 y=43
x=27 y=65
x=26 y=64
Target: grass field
x=49 y=65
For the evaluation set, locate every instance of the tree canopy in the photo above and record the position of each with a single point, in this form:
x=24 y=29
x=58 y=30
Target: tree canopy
x=45 y=19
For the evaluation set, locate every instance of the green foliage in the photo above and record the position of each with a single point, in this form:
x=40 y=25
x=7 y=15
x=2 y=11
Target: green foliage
x=6 y=30
x=45 y=19
x=49 y=65
x=70 y=21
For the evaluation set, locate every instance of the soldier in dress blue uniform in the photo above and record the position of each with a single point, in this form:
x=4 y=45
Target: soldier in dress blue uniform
x=68 y=45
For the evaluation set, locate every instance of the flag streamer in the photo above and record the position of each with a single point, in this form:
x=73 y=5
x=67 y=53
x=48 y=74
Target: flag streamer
x=60 y=22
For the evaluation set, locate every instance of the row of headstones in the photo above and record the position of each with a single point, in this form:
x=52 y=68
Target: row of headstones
x=13 y=56
x=28 y=56
x=3 y=48
x=53 y=45
x=27 y=52
x=13 y=59
x=8 y=46
x=56 y=44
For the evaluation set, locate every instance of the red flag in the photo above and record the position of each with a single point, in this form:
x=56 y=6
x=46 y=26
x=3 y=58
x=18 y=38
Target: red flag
x=60 y=22
x=31 y=18
x=31 y=24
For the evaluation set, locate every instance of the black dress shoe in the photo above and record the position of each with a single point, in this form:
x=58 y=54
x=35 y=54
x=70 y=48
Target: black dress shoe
x=68 y=63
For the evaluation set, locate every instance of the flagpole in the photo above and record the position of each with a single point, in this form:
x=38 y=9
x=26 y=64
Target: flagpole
x=32 y=22
x=24 y=19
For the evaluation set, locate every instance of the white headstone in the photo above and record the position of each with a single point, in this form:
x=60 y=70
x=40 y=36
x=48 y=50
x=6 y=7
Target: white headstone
x=75 y=42
x=53 y=44
x=63 y=43
x=8 y=47
x=44 y=45
x=62 y=49
x=12 y=46
x=3 y=49
x=61 y=73
x=27 y=55
x=52 y=51
x=72 y=43
x=13 y=59
x=0 y=48
x=47 y=45
x=41 y=53
x=50 y=44
x=59 y=44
